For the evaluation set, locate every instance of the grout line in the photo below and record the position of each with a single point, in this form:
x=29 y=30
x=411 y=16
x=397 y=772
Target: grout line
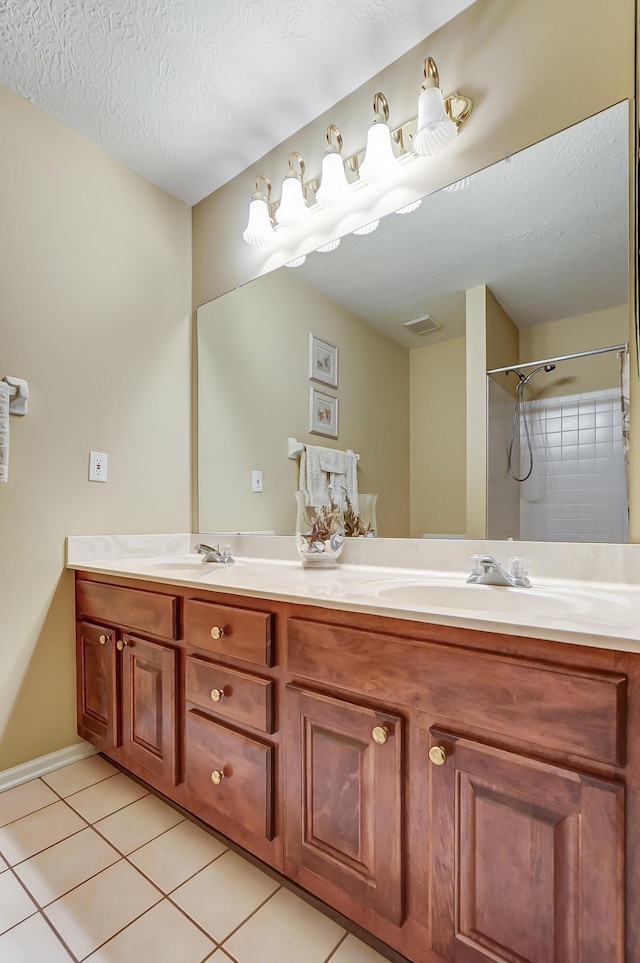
x=336 y=947
x=40 y=912
x=247 y=918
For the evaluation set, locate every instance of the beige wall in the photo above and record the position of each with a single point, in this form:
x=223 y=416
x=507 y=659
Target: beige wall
x=94 y=313
x=438 y=438
x=253 y=347
x=532 y=68
x=568 y=336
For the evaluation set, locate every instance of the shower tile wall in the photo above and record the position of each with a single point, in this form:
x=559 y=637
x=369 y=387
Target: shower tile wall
x=576 y=491
x=503 y=493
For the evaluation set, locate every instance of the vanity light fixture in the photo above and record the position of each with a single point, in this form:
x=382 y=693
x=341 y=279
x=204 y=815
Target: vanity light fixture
x=334 y=190
x=259 y=229
x=293 y=209
x=380 y=164
x=439 y=118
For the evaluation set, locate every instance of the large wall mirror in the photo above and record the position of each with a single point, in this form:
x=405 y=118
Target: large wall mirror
x=541 y=240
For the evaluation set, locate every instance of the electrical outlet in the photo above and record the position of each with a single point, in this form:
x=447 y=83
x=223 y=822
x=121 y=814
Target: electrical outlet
x=256 y=481
x=97 y=466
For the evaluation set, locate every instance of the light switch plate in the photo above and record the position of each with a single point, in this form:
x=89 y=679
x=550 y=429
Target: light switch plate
x=256 y=481
x=97 y=466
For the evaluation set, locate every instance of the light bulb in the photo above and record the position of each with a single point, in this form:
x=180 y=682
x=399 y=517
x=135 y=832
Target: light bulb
x=380 y=163
x=293 y=209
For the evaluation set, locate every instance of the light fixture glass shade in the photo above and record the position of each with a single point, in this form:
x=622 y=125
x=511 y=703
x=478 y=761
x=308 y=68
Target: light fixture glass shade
x=368 y=228
x=293 y=209
x=380 y=164
x=435 y=130
x=259 y=229
x=334 y=190
x=409 y=208
x=297 y=261
x=331 y=246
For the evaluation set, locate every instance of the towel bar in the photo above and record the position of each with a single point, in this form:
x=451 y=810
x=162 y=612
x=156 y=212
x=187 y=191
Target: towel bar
x=294 y=447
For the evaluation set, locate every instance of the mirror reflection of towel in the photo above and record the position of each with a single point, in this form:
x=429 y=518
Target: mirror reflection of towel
x=323 y=470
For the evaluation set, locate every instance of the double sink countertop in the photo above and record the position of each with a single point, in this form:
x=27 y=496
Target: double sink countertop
x=582 y=594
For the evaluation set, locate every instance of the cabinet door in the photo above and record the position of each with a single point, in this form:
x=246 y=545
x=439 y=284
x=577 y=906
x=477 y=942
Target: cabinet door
x=97 y=686
x=343 y=795
x=526 y=859
x=149 y=717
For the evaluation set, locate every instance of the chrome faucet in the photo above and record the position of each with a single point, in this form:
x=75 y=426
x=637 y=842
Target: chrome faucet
x=211 y=554
x=486 y=570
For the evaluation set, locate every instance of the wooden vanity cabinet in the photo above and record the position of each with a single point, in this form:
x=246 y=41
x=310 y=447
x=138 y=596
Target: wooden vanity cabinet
x=462 y=796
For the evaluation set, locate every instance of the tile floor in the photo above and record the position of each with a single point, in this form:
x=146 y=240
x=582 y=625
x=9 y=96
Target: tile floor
x=94 y=867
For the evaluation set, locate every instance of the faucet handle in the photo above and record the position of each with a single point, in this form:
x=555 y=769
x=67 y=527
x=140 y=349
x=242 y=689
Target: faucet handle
x=476 y=564
x=519 y=566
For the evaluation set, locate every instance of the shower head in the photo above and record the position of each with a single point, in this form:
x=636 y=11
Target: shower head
x=543 y=367
x=549 y=367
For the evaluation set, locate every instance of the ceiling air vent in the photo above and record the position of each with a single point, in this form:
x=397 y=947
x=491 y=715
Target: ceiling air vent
x=424 y=325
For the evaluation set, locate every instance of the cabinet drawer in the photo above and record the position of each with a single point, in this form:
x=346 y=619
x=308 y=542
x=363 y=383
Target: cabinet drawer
x=133 y=608
x=231 y=693
x=573 y=710
x=245 y=794
x=238 y=633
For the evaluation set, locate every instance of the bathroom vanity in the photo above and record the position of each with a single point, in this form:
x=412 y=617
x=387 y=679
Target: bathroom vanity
x=462 y=791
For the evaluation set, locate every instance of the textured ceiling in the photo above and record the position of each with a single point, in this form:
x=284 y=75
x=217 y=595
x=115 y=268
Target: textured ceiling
x=188 y=93
x=547 y=231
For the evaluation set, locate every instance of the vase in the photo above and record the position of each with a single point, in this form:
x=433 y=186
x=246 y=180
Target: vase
x=319 y=533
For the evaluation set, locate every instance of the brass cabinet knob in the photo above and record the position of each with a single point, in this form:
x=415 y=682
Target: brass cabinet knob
x=104 y=639
x=216 y=632
x=217 y=776
x=217 y=694
x=120 y=644
x=380 y=734
x=437 y=755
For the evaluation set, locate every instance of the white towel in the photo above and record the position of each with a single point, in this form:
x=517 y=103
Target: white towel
x=326 y=470
x=4 y=432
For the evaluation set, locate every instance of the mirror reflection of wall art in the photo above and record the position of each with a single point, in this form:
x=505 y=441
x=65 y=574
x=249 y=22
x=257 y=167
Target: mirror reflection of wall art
x=323 y=361
x=323 y=413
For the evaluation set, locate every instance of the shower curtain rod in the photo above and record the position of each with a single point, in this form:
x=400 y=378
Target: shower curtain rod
x=564 y=357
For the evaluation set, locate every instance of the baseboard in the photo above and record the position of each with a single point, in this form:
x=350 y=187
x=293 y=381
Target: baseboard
x=43 y=764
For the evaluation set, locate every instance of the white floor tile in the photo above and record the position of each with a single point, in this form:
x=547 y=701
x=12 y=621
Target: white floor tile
x=15 y=904
x=98 y=909
x=355 y=951
x=173 y=857
x=32 y=942
x=30 y=835
x=58 y=869
x=162 y=935
x=79 y=775
x=285 y=929
x=106 y=797
x=221 y=896
x=137 y=824
x=24 y=799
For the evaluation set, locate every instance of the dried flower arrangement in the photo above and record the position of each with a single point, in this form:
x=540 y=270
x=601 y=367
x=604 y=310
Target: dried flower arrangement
x=354 y=526
x=327 y=525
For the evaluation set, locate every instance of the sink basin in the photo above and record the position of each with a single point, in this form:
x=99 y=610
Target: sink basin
x=184 y=564
x=496 y=599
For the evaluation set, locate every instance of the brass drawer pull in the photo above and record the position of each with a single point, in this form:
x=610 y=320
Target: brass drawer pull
x=104 y=639
x=437 y=755
x=217 y=694
x=217 y=776
x=121 y=644
x=216 y=632
x=380 y=734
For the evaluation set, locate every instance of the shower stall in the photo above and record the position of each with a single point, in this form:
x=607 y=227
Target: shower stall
x=557 y=457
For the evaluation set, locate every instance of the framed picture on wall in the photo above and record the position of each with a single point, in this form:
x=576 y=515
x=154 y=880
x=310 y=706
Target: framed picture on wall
x=323 y=413
x=323 y=361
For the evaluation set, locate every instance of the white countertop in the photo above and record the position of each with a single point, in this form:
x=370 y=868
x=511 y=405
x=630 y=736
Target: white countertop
x=588 y=611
